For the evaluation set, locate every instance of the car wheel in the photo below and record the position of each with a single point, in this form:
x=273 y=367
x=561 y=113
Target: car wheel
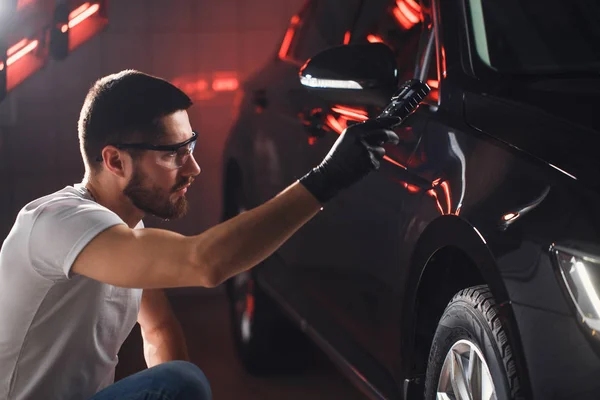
x=470 y=357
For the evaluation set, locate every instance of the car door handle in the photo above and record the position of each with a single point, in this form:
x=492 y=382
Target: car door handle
x=259 y=98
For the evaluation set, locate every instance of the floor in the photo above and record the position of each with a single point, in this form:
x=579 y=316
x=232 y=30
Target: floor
x=204 y=317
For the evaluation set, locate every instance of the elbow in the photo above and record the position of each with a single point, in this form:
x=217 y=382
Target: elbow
x=210 y=281
x=207 y=276
x=206 y=269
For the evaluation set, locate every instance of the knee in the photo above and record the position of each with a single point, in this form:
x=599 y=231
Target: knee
x=190 y=381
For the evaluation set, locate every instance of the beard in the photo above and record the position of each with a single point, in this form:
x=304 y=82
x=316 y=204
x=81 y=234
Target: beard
x=155 y=201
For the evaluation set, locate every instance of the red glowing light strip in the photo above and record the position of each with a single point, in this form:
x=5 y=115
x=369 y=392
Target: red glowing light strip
x=402 y=20
x=13 y=49
x=434 y=84
x=409 y=13
x=22 y=53
x=79 y=10
x=84 y=15
x=374 y=39
x=347 y=37
x=225 y=84
x=287 y=41
x=386 y=158
x=352 y=113
x=289 y=36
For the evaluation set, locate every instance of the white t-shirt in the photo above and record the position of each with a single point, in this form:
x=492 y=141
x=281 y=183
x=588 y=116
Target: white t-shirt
x=59 y=332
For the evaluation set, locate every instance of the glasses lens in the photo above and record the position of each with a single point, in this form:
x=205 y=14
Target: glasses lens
x=183 y=154
x=178 y=158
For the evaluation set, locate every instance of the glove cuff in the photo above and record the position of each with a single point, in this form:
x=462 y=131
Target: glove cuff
x=317 y=184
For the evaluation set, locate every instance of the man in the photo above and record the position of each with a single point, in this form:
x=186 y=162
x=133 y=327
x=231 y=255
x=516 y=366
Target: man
x=77 y=269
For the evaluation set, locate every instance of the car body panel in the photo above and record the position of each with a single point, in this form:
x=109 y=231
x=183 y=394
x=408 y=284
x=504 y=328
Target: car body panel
x=496 y=171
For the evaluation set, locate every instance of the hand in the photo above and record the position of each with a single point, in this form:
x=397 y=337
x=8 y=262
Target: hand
x=358 y=151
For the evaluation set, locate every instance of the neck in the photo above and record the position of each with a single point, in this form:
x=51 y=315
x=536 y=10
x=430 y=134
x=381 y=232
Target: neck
x=108 y=195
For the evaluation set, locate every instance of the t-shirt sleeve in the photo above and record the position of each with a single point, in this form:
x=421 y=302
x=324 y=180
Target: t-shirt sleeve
x=62 y=230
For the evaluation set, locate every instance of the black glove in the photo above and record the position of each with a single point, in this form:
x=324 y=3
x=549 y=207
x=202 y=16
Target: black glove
x=357 y=152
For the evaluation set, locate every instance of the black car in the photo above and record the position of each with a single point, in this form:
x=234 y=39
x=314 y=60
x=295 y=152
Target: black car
x=468 y=266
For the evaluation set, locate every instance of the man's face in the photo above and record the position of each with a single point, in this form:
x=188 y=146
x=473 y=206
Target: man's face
x=155 y=188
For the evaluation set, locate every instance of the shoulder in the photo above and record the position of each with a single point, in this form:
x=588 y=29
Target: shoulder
x=69 y=198
x=64 y=206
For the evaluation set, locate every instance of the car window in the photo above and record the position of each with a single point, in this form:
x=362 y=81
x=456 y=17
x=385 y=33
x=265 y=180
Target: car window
x=320 y=25
x=537 y=36
x=407 y=30
x=399 y=25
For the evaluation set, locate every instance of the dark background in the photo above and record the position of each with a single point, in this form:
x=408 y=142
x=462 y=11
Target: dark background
x=186 y=42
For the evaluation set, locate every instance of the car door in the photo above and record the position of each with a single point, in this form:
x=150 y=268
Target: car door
x=295 y=119
x=348 y=266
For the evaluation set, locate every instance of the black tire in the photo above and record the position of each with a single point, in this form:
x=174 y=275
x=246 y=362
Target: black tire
x=265 y=340
x=472 y=316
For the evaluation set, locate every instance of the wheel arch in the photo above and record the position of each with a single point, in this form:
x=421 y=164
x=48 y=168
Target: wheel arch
x=451 y=248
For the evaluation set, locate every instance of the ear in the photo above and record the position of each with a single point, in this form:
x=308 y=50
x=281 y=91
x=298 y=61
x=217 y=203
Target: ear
x=116 y=161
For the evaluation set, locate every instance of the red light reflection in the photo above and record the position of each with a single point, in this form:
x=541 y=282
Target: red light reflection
x=408 y=12
x=355 y=114
x=414 y=5
x=374 y=39
x=445 y=185
x=446 y=188
x=433 y=194
x=289 y=36
x=334 y=124
x=347 y=37
x=402 y=20
x=443 y=62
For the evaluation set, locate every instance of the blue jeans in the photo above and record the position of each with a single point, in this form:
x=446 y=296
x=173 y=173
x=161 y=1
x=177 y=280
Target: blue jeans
x=175 y=380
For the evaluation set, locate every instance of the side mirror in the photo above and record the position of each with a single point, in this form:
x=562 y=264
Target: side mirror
x=365 y=74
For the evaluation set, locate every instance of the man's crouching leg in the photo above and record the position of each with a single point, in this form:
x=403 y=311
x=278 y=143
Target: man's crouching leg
x=174 y=380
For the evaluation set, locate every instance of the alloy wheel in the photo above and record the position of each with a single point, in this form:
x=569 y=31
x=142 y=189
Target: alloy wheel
x=465 y=374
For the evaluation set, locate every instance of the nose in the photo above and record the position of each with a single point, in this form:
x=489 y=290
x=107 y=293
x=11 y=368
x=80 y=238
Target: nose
x=191 y=167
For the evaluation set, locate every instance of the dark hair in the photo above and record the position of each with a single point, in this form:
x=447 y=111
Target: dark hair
x=123 y=107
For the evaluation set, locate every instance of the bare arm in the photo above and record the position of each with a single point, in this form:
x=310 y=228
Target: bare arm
x=162 y=334
x=154 y=258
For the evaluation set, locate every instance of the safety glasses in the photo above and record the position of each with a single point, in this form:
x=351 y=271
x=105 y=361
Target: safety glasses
x=174 y=155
